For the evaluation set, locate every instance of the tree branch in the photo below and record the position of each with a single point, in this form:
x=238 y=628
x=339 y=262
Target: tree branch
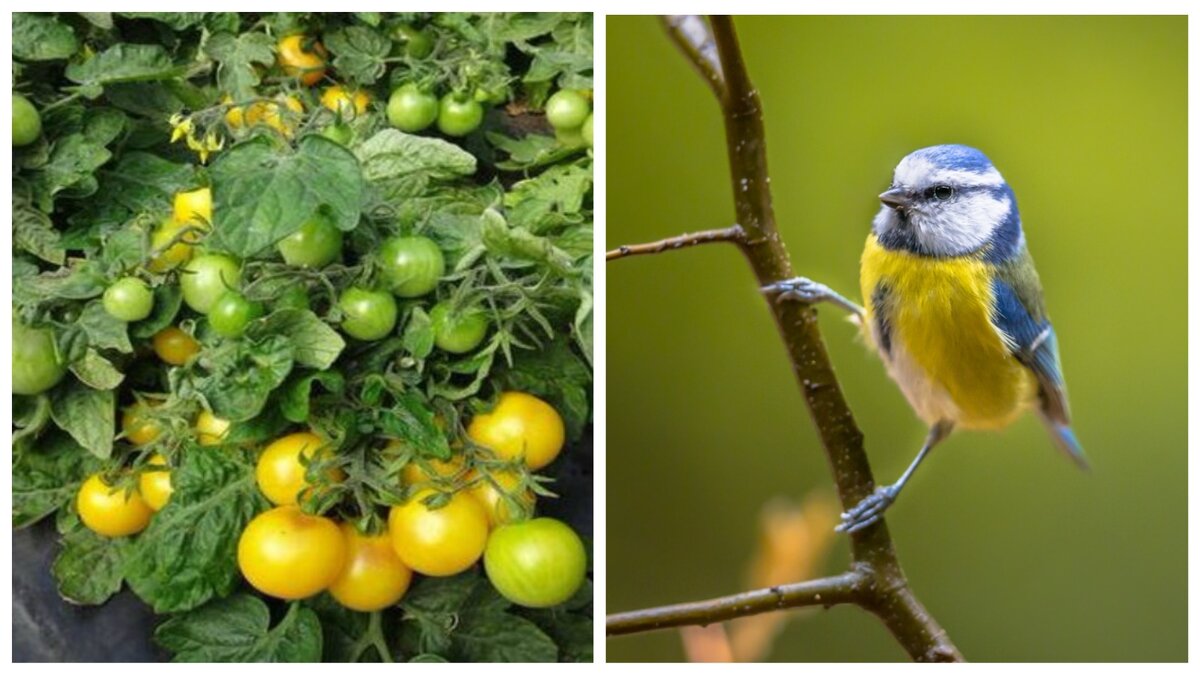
x=884 y=590
x=825 y=592
x=732 y=233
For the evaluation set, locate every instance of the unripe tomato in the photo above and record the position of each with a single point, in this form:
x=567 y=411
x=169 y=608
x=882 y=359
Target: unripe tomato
x=206 y=278
x=345 y=103
x=569 y=138
x=438 y=542
x=373 y=577
x=36 y=363
x=536 y=563
x=417 y=43
x=174 y=346
x=586 y=131
x=302 y=59
x=111 y=512
x=194 y=206
x=458 y=331
x=567 y=109
x=288 y=554
x=496 y=504
x=411 y=266
x=369 y=315
x=26 y=122
x=410 y=109
x=232 y=312
x=317 y=243
x=155 y=484
x=282 y=466
x=520 y=426
x=136 y=426
x=210 y=429
x=459 y=115
x=175 y=254
x=128 y=299
x=339 y=133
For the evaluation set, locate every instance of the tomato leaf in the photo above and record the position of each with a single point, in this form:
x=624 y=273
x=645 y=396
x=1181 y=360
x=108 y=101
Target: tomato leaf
x=96 y=371
x=238 y=629
x=294 y=401
x=242 y=377
x=262 y=195
x=411 y=420
x=359 y=52
x=103 y=330
x=188 y=554
x=33 y=232
x=86 y=414
x=402 y=165
x=168 y=298
x=142 y=182
x=88 y=568
x=314 y=343
x=47 y=476
x=41 y=37
x=236 y=56
x=123 y=62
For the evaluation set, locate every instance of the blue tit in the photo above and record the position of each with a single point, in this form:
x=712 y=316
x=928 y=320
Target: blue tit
x=953 y=306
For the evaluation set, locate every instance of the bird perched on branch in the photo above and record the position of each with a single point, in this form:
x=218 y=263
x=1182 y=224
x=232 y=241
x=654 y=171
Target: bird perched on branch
x=953 y=306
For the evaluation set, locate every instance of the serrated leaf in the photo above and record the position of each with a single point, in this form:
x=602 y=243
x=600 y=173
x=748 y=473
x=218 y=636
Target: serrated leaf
x=236 y=56
x=88 y=568
x=45 y=478
x=168 y=298
x=314 y=343
x=143 y=182
x=411 y=420
x=87 y=414
x=240 y=380
x=103 y=330
x=33 y=232
x=96 y=371
x=41 y=37
x=359 y=52
x=176 y=20
x=418 y=333
x=238 y=629
x=404 y=165
x=124 y=62
x=294 y=402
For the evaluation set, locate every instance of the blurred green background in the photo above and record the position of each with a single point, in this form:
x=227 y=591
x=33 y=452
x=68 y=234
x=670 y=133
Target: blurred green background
x=1019 y=555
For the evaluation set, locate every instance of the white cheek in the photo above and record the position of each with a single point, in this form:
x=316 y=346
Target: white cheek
x=884 y=220
x=961 y=226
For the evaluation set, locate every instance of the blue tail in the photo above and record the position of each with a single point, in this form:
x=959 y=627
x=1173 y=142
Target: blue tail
x=1065 y=439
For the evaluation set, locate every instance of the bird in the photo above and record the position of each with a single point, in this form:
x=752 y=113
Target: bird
x=954 y=307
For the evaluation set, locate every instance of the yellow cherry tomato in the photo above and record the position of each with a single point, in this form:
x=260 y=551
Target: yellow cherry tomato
x=174 y=346
x=346 y=103
x=307 y=65
x=194 y=207
x=155 y=484
x=210 y=429
x=235 y=117
x=424 y=471
x=499 y=509
x=268 y=113
x=111 y=512
x=176 y=254
x=288 y=554
x=137 y=429
x=438 y=542
x=280 y=471
x=373 y=577
x=520 y=426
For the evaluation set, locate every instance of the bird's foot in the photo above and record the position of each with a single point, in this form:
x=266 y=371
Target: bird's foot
x=801 y=289
x=868 y=511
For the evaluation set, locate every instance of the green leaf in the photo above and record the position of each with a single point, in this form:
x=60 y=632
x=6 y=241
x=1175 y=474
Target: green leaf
x=33 y=232
x=530 y=152
x=242 y=377
x=101 y=20
x=262 y=195
x=168 y=298
x=295 y=399
x=79 y=281
x=46 y=477
x=343 y=631
x=88 y=568
x=124 y=62
x=188 y=555
x=554 y=198
x=70 y=170
x=314 y=343
x=521 y=244
x=176 y=20
x=236 y=56
x=403 y=165
x=41 y=37
x=418 y=333
x=238 y=629
x=142 y=182
x=359 y=52
x=103 y=330
x=96 y=371
x=85 y=413
x=499 y=637
x=411 y=420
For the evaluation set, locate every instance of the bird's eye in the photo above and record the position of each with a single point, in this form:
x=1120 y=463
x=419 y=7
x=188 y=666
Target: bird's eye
x=940 y=192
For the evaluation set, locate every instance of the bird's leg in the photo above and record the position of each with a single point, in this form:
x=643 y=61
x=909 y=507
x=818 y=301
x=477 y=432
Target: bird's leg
x=868 y=511
x=807 y=290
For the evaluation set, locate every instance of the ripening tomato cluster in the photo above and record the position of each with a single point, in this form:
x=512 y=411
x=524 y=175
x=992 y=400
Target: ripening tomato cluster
x=455 y=514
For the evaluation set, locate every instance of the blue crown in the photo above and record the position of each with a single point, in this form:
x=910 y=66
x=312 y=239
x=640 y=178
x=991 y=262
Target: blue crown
x=954 y=156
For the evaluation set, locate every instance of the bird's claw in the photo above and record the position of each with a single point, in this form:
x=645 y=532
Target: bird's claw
x=868 y=511
x=800 y=288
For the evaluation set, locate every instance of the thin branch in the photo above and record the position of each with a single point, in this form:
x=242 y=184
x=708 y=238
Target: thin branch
x=732 y=233
x=693 y=38
x=884 y=590
x=826 y=592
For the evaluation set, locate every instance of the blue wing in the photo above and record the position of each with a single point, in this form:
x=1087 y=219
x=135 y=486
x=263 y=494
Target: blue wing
x=1034 y=344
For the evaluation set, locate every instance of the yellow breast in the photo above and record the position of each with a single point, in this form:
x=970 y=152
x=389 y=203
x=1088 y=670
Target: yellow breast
x=946 y=355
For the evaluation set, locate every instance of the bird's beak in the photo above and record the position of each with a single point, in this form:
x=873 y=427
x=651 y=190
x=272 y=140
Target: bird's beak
x=897 y=198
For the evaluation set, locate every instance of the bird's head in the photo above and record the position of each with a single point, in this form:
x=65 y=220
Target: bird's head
x=947 y=200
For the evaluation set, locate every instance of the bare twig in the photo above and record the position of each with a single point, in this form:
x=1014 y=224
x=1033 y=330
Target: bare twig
x=876 y=581
x=692 y=36
x=733 y=233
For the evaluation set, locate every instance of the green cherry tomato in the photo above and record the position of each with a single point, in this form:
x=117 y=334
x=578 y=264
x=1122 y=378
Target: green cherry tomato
x=369 y=315
x=129 y=299
x=409 y=109
x=339 y=133
x=27 y=123
x=458 y=115
x=535 y=563
x=317 y=243
x=458 y=331
x=36 y=364
x=411 y=265
x=417 y=43
x=231 y=313
x=567 y=109
x=206 y=278
x=586 y=131
x=570 y=138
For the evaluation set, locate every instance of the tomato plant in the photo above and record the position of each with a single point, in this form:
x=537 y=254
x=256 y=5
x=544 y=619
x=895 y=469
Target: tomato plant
x=536 y=563
x=269 y=279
